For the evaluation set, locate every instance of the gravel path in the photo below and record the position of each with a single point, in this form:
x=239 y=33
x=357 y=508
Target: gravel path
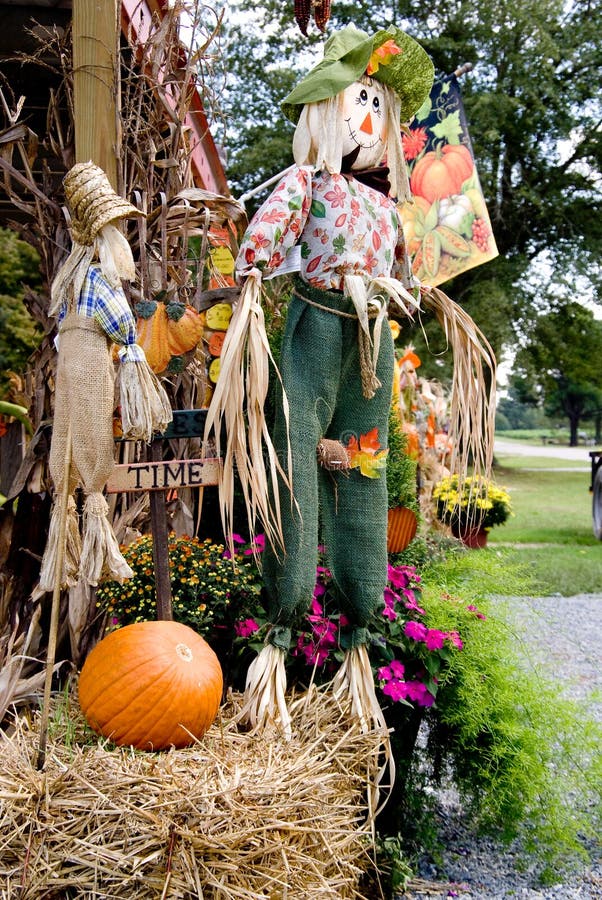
x=563 y=636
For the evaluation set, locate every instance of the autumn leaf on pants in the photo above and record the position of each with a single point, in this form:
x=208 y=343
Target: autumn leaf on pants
x=366 y=454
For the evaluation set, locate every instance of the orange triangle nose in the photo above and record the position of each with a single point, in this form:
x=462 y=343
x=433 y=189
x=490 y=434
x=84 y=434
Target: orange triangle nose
x=366 y=125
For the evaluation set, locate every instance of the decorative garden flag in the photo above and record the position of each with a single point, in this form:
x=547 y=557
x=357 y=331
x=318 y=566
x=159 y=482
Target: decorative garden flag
x=446 y=225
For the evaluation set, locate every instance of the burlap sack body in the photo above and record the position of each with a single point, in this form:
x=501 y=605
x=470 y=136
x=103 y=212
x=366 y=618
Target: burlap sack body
x=83 y=416
x=84 y=398
x=320 y=370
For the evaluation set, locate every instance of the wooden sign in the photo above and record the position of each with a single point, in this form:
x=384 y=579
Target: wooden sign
x=163 y=475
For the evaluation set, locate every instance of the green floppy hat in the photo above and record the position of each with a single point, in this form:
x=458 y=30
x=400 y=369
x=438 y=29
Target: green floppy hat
x=347 y=53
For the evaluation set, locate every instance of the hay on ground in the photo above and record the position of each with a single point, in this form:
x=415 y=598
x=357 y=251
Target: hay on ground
x=234 y=816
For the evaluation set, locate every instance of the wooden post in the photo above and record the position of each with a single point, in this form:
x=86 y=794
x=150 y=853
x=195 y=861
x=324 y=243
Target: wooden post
x=160 y=542
x=95 y=84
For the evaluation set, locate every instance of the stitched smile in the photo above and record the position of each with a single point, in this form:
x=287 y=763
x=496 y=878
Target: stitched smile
x=353 y=136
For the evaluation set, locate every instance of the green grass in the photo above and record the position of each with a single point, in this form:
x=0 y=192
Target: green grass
x=541 y=462
x=549 y=507
x=535 y=435
x=550 y=535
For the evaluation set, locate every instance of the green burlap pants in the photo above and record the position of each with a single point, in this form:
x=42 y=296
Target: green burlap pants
x=320 y=371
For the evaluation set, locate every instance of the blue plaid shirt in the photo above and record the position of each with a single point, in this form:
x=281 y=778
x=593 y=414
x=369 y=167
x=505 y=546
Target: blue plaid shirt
x=109 y=306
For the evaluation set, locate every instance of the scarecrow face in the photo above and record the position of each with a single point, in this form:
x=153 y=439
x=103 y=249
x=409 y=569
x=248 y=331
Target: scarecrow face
x=365 y=115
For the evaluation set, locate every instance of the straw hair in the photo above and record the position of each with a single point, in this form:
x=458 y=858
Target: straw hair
x=92 y=202
x=235 y=816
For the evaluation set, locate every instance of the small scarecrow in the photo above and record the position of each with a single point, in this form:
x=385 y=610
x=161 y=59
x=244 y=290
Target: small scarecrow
x=93 y=314
x=336 y=208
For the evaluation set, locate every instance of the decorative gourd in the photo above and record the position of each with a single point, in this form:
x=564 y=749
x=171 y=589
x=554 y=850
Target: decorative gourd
x=151 y=685
x=184 y=327
x=151 y=327
x=441 y=173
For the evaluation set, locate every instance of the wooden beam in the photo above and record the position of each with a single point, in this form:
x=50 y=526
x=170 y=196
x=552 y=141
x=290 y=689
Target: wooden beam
x=95 y=84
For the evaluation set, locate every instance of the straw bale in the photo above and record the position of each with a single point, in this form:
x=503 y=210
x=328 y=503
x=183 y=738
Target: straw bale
x=234 y=816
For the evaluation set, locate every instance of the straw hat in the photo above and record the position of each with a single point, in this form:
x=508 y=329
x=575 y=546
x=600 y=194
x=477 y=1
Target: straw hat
x=350 y=53
x=92 y=202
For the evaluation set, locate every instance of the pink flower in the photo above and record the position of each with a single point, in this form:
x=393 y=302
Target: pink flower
x=416 y=631
x=477 y=613
x=397 y=577
x=246 y=628
x=435 y=639
x=315 y=607
x=385 y=673
x=410 y=603
x=419 y=693
x=455 y=638
x=397 y=668
x=390 y=598
x=395 y=689
x=258 y=546
x=319 y=590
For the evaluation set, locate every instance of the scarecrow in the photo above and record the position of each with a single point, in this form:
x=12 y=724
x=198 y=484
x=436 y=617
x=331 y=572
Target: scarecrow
x=93 y=315
x=336 y=209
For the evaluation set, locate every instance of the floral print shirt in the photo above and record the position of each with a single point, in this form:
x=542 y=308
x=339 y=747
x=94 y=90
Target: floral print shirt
x=343 y=227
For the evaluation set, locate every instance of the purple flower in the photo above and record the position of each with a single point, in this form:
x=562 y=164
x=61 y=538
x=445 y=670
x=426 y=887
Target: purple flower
x=415 y=630
x=246 y=628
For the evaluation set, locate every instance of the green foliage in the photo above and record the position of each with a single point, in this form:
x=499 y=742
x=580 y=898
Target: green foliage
x=523 y=758
x=559 y=364
x=401 y=468
x=19 y=335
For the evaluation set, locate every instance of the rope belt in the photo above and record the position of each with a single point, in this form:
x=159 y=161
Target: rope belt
x=370 y=381
x=372 y=314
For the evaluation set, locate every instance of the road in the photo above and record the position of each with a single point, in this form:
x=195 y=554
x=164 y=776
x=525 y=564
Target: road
x=554 y=451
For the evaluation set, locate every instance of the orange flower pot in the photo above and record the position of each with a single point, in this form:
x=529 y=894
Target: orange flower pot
x=402 y=525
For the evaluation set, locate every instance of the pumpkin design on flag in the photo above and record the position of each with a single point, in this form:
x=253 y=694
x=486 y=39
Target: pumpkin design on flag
x=446 y=222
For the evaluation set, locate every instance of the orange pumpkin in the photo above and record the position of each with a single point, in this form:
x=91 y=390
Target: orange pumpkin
x=151 y=327
x=184 y=327
x=151 y=685
x=441 y=173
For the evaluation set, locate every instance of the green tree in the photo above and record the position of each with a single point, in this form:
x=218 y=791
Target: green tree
x=534 y=106
x=559 y=365
x=19 y=334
